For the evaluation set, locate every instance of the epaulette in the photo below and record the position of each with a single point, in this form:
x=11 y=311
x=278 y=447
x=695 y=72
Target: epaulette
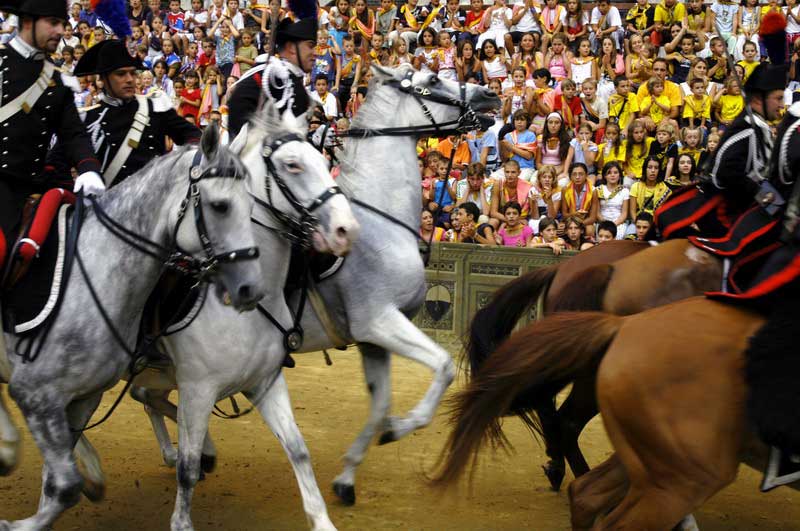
x=161 y=101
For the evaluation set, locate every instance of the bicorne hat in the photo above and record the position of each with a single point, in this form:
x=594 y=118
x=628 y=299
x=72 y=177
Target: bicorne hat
x=105 y=57
x=36 y=8
x=304 y=28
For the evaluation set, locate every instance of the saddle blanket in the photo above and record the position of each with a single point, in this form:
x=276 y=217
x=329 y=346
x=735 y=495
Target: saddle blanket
x=28 y=302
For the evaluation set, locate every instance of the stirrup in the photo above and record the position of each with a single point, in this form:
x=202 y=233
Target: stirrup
x=288 y=361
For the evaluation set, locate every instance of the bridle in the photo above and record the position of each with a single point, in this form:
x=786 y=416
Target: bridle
x=299 y=230
x=468 y=119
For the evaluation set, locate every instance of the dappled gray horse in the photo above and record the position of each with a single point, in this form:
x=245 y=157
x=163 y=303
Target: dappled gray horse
x=194 y=200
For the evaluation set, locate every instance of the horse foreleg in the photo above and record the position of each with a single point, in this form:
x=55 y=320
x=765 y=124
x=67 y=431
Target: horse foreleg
x=395 y=333
x=597 y=492
x=577 y=410
x=9 y=437
x=194 y=409
x=276 y=409
x=94 y=481
x=377 y=364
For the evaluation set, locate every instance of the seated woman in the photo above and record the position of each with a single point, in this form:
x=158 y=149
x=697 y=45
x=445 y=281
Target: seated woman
x=514 y=232
x=578 y=198
x=544 y=197
x=429 y=233
x=685 y=174
x=548 y=237
x=469 y=230
x=648 y=194
x=612 y=198
x=575 y=232
x=510 y=188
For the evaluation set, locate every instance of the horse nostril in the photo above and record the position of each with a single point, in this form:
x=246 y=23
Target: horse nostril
x=341 y=232
x=245 y=292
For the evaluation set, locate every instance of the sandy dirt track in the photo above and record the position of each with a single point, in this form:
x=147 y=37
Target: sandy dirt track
x=254 y=488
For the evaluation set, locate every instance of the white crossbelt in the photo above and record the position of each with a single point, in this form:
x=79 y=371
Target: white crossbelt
x=140 y=121
x=26 y=100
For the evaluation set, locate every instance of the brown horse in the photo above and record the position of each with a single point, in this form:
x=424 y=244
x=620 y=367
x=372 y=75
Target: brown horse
x=620 y=277
x=671 y=388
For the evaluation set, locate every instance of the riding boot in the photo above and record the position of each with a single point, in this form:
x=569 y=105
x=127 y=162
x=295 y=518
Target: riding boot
x=288 y=361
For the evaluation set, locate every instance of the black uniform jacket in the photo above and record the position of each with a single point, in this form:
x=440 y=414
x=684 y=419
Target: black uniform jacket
x=25 y=137
x=286 y=88
x=109 y=121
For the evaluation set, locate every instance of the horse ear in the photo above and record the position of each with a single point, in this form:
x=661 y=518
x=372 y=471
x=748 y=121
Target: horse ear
x=270 y=118
x=239 y=143
x=209 y=142
x=382 y=74
x=290 y=121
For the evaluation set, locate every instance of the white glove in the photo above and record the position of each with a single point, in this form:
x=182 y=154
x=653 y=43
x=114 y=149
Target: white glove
x=91 y=183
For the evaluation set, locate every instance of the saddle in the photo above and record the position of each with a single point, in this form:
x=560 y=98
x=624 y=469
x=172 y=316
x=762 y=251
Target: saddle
x=32 y=278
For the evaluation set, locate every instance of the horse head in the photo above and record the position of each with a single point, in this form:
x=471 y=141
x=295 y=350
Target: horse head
x=430 y=99
x=290 y=178
x=213 y=223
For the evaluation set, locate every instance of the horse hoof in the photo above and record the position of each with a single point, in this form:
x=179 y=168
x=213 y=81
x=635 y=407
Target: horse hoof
x=9 y=457
x=170 y=460
x=555 y=475
x=387 y=437
x=208 y=463
x=94 y=492
x=346 y=493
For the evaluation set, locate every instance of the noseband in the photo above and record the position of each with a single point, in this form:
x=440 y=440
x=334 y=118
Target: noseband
x=299 y=230
x=468 y=120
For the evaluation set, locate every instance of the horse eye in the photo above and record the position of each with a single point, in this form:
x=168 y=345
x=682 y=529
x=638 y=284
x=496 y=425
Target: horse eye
x=294 y=167
x=220 y=207
x=435 y=80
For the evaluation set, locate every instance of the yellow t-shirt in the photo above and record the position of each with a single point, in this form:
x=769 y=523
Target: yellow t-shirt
x=656 y=112
x=692 y=108
x=671 y=90
x=622 y=114
x=642 y=195
x=617 y=155
x=636 y=157
x=669 y=16
x=748 y=68
x=730 y=106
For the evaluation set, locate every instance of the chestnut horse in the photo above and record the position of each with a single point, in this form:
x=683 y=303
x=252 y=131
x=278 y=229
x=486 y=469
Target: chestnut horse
x=619 y=277
x=654 y=370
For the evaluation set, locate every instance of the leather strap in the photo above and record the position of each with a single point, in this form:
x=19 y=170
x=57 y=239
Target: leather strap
x=319 y=307
x=25 y=101
x=140 y=121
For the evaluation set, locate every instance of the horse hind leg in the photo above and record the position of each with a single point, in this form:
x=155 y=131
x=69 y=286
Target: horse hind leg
x=275 y=407
x=576 y=411
x=549 y=421
x=49 y=423
x=395 y=333
x=597 y=492
x=377 y=364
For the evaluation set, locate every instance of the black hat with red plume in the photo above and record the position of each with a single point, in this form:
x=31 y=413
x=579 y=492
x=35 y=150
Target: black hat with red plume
x=770 y=76
x=303 y=28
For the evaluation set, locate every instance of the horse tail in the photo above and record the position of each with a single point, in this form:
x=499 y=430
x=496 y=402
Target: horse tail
x=539 y=360
x=493 y=323
x=584 y=292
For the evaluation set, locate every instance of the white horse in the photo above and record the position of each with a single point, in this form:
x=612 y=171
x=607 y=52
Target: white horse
x=203 y=206
x=381 y=284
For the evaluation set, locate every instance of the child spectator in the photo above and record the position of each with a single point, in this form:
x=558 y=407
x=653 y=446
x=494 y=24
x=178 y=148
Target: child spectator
x=583 y=150
x=712 y=143
x=246 y=53
x=362 y=23
x=87 y=14
x=69 y=39
x=155 y=12
x=428 y=232
x=444 y=197
x=349 y=74
x=80 y=50
x=606 y=22
x=717 y=62
x=544 y=197
x=664 y=149
x=191 y=97
x=575 y=233
x=207 y=56
x=176 y=24
x=748 y=22
x=225 y=43
x=543 y=99
x=556 y=60
x=642 y=225
x=410 y=19
x=385 y=17
x=476 y=189
x=569 y=105
x=154 y=38
x=514 y=232
x=613 y=198
x=655 y=106
x=685 y=174
x=623 y=106
x=170 y=57
x=426 y=57
x=339 y=20
x=578 y=198
x=697 y=107
x=649 y=193
x=68 y=59
x=493 y=65
x=637 y=65
x=190 y=61
x=554 y=145
x=728 y=103
x=680 y=61
x=576 y=27
x=325 y=98
x=750 y=60
x=548 y=237
x=606 y=231
x=473 y=21
x=552 y=21
x=583 y=66
x=470 y=228
x=496 y=23
x=639 y=22
x=212 y=92
x=637 y=149
x=520 y=145
x=595 y=109
x=447 y=57
x=613 y=149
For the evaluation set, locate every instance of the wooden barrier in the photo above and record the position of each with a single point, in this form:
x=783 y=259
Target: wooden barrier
x=460 y=279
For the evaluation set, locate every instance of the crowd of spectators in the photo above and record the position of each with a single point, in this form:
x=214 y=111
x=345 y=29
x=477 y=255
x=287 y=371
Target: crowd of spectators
x=604 y=112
